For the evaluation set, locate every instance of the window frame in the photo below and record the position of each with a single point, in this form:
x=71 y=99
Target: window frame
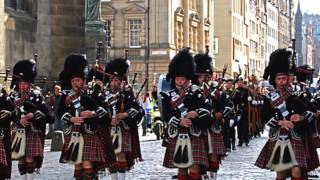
x=138 y=32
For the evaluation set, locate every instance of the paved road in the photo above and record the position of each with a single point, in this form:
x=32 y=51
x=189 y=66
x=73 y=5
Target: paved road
x=237 y=165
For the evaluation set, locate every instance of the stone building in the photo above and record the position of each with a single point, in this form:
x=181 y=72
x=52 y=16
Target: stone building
x=154 y=30
x=231 y=33
x=248 y=31
x=51 y=28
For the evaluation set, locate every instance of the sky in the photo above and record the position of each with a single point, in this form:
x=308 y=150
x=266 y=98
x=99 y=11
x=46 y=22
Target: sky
x=310 y=6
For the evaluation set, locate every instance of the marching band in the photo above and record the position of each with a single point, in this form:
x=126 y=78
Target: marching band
x=99 y=112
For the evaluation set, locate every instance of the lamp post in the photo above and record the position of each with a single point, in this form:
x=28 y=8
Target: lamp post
x=147 y=53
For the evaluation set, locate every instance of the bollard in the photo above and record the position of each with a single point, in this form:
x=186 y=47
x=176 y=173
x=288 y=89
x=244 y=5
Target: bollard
x=57 y=141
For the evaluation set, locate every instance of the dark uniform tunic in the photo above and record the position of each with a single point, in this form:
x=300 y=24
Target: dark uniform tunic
x=35 y=131
x=193 y=100
x=5 y=136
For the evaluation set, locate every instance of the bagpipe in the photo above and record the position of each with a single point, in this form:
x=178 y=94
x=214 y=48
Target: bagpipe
x=4 y=114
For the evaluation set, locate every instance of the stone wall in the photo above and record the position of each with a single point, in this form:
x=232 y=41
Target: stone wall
x=67 y=26
x=52 y=28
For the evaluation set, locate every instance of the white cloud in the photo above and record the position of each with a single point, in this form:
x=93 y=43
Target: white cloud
x=310 y=6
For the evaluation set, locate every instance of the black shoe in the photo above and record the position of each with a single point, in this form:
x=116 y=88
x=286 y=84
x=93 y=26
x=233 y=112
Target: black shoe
x=175 y=177
x=240 y=144
x=247 y=144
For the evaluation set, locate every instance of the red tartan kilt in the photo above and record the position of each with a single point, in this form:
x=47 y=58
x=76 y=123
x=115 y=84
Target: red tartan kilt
x=126 y=145
x=299 y=152
x=316 y=141
x=136 y=149
x=266 y=152
x=3 y=156
x=93 y=149
x=106 y=141
x=218 y=147
x=34 y=147
x=199 y=152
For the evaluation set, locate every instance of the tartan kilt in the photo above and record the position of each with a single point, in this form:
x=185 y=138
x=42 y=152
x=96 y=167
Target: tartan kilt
x=3 y=155
x=106 y=141
x=5 y=161
x=93 y=149
x=136 y=150
x=266 y=152
x=199 y=152
x=218 y=147
x=34 y=145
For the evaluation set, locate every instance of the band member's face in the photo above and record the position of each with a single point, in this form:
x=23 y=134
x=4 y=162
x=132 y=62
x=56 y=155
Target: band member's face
x=291 y=78
x=240 y=83
x=57 y=90
x=77 y=83
x=281 y=81
x=229 y=85
x=24 y=86
x=115 y=84
x=181 y=82
x=203 y=78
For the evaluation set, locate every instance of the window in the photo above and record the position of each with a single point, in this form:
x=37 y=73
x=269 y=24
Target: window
x=237 y=7
x=207 y=38
x=17 y=4
x=237 y=26
x=253 y=47
x=193 y=4
x=193 y=38
x=135 y=32
x=237 y=51
x=253 y=29
x=179 y=34
x=107 y=28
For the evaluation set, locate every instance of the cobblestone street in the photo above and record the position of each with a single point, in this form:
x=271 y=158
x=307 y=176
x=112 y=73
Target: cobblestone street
x=237 y=165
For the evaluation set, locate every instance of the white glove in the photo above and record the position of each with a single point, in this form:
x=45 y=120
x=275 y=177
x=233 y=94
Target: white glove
x=231 y=122
x=238 y=118
x=254 y=102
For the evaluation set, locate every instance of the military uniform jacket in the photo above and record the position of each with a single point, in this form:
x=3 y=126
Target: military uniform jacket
x=275 y=110
x=193 y=101
x=32 y=103
x=124 y=101
x=69 y=105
